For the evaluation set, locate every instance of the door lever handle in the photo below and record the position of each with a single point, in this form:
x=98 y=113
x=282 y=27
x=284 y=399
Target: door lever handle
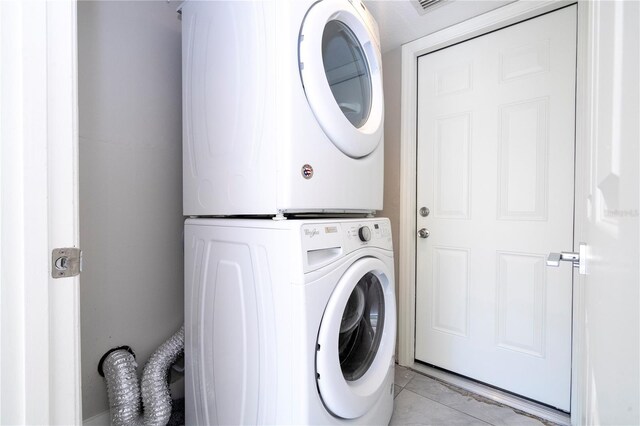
x=554 y=259
x=578 y=260
x=568 y=256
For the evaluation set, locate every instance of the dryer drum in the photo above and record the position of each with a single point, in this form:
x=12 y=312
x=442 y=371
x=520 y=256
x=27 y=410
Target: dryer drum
x=361 y=327
x=347 y=71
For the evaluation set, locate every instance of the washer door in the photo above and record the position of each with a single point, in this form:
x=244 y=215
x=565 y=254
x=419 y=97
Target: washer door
x=357 y=339
x=340 y=67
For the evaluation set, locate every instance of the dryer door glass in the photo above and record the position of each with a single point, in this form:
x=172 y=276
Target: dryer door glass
x=361 y=327
x=347 y=72
x=341 y=74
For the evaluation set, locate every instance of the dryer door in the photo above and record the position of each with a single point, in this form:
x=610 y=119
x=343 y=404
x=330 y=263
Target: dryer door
x=357 y=339
x=340 y=67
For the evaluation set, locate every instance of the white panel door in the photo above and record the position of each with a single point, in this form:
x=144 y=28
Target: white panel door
x=496 y=170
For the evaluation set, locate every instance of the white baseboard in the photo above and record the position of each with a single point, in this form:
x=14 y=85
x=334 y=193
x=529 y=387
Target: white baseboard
x=102 y=419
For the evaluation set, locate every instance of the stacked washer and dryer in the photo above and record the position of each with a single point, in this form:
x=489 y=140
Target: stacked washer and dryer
x=290 y=311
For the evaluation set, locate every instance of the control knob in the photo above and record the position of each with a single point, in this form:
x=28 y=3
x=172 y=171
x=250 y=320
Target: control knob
x=364 y=233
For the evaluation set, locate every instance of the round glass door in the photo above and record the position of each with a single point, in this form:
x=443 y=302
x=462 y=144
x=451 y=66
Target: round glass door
x=340 y=68
x=347 y=72
x=356 y=340
x=361 y=327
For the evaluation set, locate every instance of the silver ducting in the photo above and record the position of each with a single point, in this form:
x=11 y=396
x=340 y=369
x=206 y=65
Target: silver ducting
x=118 y=367
x=156 y=397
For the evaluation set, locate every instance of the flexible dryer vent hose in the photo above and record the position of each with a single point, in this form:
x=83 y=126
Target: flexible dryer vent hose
x=118 y=366
x=156 y=397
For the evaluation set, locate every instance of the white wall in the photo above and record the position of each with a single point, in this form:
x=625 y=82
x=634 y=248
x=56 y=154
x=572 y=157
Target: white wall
x=400 y=22
x=130 y=182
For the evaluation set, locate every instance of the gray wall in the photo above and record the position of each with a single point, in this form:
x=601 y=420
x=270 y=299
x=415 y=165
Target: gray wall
x=130 y=182
x=392 y=73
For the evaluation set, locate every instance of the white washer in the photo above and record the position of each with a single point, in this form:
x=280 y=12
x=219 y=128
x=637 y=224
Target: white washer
x=289 y=322
x=282 y=107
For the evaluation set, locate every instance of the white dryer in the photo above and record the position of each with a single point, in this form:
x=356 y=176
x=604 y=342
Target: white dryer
x=282 y=107
x=289 y=322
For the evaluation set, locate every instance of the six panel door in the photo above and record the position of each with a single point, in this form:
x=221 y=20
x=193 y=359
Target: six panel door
x=496 y=169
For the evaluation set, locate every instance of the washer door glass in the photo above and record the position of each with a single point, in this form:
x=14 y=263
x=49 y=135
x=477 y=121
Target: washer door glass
x=347 y=72
x=356 y=340
x=361 y=327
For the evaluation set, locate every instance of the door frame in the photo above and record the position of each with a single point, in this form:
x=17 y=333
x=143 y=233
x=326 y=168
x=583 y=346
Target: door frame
x=40 y=316
x=509 y=14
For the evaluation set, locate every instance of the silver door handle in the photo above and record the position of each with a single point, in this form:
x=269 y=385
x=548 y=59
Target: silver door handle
x=424 y=233
x=578 y=260
x=568 y=256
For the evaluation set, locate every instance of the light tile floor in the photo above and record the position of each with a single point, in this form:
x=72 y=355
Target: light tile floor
x=421 y=400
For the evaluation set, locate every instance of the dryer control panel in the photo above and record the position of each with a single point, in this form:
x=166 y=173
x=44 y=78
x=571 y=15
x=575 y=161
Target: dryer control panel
x=324 y=242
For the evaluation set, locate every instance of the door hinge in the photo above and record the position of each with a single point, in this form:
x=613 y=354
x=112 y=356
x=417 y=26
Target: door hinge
x=66 y=262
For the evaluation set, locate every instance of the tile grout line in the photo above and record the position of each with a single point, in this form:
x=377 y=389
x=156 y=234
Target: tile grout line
x=459 y=389
x=454 y=388
x=444 y=405
x=453 y=408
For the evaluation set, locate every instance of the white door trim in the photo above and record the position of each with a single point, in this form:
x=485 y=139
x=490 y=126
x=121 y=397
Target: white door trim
x=491 y=21
x=39 y=321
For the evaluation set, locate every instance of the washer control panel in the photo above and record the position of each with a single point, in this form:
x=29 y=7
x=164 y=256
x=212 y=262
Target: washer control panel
x=377 y=234
x=323 y=242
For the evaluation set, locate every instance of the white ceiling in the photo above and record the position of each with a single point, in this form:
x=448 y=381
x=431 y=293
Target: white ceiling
x=400 y=22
